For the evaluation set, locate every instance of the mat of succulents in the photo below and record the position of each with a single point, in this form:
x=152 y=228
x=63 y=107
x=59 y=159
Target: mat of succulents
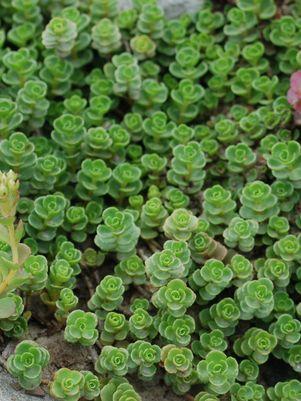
x=150 y=199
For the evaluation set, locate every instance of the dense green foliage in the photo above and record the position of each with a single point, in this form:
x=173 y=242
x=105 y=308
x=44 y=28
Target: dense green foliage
x=150 y=197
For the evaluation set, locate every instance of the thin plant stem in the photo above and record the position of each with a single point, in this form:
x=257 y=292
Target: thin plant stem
x=15 y=258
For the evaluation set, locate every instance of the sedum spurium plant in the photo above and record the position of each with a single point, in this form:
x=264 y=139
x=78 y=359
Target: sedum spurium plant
x=27 y=363
x=81 y=327
x=218 y=372
x=150 y=197
x=71 y=385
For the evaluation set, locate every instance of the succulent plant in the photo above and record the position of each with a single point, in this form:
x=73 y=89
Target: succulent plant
x=125 y=75
x=204 y=396
x=21 y=65
x=67 y=302
x=141 y=324
x=284 y=161
x=223 y=315
x=150 y=21
x=93 y=179
x=113 y=361
x=276 y=270
x=60 y=35
x=10 y=118
x=211 y=279
x=56 y=72
x=106 y=37
x=163 y=266
x=61 y=275
x=248 y=370
x=218 y=205
x=242 y=269
x=209 y=341
x=288 y=248
x=153 y=215
x=67 y=385
x=27 y=363
x=47 y=215
x=108 y=294
x=177 y=330
x=144 y=356
x=185 y=99
x=204 y=247
x=175 y=297
x=257 y=344
x=240 y=157
x=180 y=225
x=227 y=368
x=118 y=233
x=118 y=389
x=249 y=390
x=277 y=227
x=284 y=390
x=32 y=103
x=81 y=328
x=150 y=168
x=240 y=233
x=187 y=64
x=177 y=360
x=36 y=267
x=287 y=330
x=131 y=270
x=255 y=298
x=258 y=202
x=115 y=327
x=17 y=152
x=75 y=222
x=187 y=167
x=91 y=385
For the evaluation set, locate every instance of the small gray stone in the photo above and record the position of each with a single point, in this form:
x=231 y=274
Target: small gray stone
x=172 y=8
x=8 y=392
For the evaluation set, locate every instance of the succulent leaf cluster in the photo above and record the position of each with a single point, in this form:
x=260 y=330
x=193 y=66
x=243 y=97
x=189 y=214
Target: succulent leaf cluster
x=150 y=197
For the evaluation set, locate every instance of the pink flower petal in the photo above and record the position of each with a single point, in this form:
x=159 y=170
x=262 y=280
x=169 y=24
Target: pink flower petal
x=297 y=106
x=296 y=82
x=292 y=96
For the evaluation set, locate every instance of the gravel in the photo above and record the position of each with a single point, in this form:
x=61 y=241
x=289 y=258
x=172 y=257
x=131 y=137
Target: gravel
x=172 y=7
x=8 y=392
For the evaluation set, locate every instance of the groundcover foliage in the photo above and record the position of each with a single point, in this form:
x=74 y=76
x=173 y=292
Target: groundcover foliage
x=150 y=193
